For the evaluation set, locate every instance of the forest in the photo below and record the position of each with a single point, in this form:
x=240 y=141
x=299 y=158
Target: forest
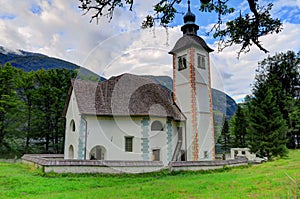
x=268 y=121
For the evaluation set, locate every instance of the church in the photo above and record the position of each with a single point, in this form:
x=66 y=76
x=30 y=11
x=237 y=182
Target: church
x=130 y=117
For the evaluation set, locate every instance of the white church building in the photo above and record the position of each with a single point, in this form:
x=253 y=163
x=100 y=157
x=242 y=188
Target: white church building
x=130 y=117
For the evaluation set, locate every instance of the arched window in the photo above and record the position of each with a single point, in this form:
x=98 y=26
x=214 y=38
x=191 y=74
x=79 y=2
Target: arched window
x=73 y=126
x=97 y=153
x=157 y=126
x=71 y=152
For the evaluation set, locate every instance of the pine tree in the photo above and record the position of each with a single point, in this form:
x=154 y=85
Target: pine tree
x=225 y=138
x=294 y=123
x=282 y=73
x=267 y=128
x=239 y=127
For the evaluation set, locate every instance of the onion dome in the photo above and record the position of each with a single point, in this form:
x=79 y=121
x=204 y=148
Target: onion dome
x=189 y=27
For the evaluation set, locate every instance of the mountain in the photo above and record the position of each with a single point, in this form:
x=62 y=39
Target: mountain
x=32 y=61
x=29 y=61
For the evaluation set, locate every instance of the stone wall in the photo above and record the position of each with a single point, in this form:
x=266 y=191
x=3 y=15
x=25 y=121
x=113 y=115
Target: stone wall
x=205 y=165
x=56 y=163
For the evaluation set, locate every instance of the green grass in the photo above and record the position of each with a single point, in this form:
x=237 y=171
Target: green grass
x=277 y=179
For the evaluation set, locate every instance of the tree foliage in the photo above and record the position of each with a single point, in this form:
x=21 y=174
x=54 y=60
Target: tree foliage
x=31 y=105
x=239 y=126
x=9 y=104
x=244 y=30
x=225 y=137
x=282 y=71
x=269 y=119
x=267 y=128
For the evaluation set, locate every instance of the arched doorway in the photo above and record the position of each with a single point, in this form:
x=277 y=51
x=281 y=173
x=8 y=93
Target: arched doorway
x=98 y=153
x=71 y=152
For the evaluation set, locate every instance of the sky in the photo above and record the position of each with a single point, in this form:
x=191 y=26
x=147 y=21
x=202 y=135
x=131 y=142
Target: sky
x=58 y=28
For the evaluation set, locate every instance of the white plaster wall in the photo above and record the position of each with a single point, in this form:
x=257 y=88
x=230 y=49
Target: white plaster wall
x=183 y=98
x=110 y=133
x=158 y=139
x=71 y=138
x=205 y=136
x=203 y=101
x=189 y=136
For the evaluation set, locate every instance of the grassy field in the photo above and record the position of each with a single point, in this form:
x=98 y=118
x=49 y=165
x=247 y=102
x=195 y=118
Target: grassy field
x=277 y=179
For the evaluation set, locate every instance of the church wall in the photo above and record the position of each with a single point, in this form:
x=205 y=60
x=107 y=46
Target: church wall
x=71 y=137
x=110 y=132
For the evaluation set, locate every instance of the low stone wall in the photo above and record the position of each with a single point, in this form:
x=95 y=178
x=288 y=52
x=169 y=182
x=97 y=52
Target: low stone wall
x=205 y=165
x=56 y=163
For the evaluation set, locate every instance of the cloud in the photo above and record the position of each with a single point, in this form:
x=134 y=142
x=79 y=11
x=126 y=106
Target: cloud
x=243 y=70
x=57 y=28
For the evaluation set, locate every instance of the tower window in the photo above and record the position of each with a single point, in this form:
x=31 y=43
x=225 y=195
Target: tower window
x=128 y=144
x=182 y=62
x=201 y=63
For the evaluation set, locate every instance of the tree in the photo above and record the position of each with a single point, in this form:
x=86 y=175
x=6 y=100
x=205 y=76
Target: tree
x=244 y=30
x=282 y=71
x=239 y=126
x=267 y=129
x=26 y=85
x=9 y=106
x=225 y=138
x=294 y=125
x=52 y=90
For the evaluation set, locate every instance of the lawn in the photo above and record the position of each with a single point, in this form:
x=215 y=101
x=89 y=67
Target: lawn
x=277 y=179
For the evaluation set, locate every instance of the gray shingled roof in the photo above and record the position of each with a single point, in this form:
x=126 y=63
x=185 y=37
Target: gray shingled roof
x=125 y=95
x=190 y=40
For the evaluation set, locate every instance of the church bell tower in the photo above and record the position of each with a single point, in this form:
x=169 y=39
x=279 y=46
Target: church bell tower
x=192 y=89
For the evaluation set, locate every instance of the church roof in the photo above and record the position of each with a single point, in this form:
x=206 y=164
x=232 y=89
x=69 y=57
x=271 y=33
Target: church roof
x=187 y=41
x=125 y=95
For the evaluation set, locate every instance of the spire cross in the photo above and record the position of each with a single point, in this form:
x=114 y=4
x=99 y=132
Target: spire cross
x=189 y=9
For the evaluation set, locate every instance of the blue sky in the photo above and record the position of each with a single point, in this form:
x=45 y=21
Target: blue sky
x=57 y=28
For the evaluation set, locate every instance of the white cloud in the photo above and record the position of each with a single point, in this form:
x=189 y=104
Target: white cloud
x=61 y=31
x=243 y=70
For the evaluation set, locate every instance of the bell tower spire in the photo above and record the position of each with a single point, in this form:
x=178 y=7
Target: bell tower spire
x=189 y=27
